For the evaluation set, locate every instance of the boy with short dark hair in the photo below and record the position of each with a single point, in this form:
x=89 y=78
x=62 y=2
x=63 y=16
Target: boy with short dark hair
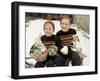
x=67 y=37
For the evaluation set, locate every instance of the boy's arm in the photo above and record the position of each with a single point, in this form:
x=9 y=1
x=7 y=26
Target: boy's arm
x=58 y=43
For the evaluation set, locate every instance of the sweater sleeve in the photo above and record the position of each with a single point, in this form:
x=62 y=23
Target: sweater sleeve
x=73 y=31
x=58 y=43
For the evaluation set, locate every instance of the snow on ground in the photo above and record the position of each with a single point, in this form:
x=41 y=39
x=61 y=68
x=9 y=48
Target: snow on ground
x=35 y=27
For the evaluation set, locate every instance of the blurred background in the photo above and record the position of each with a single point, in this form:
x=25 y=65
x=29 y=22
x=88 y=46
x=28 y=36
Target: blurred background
x=82 y=21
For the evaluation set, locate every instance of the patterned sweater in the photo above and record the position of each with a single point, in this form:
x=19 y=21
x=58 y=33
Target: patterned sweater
x=66 y=37
x=52 y=40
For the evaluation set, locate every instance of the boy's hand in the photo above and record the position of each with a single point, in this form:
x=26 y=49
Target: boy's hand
x=75 y=39
x=64 y=50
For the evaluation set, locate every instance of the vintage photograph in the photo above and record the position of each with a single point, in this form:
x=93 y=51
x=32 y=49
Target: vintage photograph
x=51 y=40
x=54 y=40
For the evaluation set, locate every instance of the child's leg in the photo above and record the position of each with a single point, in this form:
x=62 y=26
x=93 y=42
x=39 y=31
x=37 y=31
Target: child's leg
x=40 y=64
x=50 y=61
x=75 y=58
x=60 y=60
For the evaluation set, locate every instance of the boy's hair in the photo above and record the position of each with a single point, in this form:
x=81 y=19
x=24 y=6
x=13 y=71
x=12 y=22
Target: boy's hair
x=67 y=17
x=50 y=23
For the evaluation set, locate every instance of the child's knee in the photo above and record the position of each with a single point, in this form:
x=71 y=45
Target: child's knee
x=60 y=61
x=76 y=59
x=75 y=55
x=50 y=63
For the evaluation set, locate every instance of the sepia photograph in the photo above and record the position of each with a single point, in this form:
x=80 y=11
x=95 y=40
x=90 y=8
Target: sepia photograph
x=50 y=40
x=54 y=40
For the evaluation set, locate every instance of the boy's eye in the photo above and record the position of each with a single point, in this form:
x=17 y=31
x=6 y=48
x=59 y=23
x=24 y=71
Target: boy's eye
x=63 y=23
x=46 y=28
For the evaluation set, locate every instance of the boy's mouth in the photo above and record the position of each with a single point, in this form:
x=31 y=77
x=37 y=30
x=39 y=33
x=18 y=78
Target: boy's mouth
x=48 y=34
x=65 y=29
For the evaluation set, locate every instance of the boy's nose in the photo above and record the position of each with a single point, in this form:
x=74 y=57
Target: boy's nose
x=64 y=26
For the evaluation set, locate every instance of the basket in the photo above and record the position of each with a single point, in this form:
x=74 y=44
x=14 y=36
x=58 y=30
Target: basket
x=42 y=56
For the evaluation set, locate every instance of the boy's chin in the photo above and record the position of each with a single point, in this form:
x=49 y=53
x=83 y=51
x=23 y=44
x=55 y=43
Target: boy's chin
x=64 y=30
x=48 y=35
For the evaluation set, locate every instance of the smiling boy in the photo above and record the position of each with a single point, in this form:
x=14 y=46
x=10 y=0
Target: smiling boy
x=66 y=36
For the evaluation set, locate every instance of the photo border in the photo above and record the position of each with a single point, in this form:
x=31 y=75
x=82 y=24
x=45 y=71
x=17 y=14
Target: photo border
x=15 y=39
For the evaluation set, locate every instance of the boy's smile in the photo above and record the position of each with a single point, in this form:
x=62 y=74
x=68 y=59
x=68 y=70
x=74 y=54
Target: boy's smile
x=65 y=25
x=48 y=29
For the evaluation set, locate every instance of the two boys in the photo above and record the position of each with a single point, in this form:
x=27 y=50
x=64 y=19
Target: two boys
x=64 y=40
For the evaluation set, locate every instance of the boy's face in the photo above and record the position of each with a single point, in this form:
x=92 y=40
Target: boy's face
x=65 y=25
x=48 y=29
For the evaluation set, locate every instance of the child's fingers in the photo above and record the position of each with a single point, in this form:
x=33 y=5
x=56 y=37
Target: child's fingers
x=75 y=38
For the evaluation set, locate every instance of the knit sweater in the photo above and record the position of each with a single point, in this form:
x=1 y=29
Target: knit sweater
x=49 y=41
x=66 y=37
